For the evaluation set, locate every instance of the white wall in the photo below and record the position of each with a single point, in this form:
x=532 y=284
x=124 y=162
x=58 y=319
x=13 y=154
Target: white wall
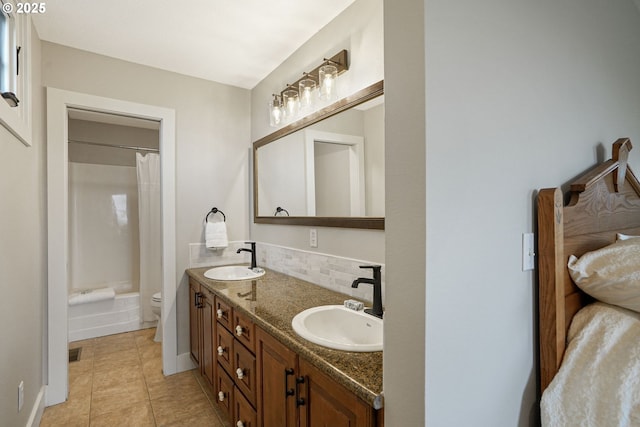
x=359 y=30
x=404 y=323
x=212 y=142
x=23 y=261
x=104 y=246
x=520 y=95
x=374 y=160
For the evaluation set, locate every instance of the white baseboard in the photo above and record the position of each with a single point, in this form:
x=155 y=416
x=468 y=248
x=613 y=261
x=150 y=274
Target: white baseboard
x=184 y=362
x=38 y=409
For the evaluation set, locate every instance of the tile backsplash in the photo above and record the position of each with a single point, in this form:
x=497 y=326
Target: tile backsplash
x=329 y=271
x=201 y=256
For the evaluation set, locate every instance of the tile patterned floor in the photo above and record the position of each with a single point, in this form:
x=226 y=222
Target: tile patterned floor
x=118 y=381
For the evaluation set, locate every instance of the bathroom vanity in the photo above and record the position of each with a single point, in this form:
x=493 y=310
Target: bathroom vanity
x=260 y=372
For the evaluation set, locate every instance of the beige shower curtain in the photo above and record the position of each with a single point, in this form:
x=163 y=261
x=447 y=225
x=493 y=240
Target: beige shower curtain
x=148 y=168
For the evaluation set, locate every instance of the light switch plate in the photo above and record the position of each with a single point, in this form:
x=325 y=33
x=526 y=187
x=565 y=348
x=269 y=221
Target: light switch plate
x=528 y=252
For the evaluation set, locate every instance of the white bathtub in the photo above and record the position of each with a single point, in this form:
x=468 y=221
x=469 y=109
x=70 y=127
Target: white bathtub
x=100 y=318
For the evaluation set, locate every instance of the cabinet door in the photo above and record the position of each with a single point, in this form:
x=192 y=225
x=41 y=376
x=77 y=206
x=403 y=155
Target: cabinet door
x=224 y=314
x=277 y=366
x=224 y=392
x=224 y=348
x=327 y=403
x=244 y=330
x=207 y=359
x=244 y=372
x=194 y=320
x=243 y=413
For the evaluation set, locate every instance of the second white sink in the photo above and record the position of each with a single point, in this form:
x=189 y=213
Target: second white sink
x=233 y=272
x=340 y=328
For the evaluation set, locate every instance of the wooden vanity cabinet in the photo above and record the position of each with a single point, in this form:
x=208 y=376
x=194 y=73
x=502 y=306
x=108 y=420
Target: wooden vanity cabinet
x=194 y=321
x=207 y=358
x=327 y=403
x=260 y=382
x=276 y=369
x=234 y=349
x=292 y=392
x=201 y=324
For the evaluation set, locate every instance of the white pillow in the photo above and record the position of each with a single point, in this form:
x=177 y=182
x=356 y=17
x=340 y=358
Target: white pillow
x=620 y=236
x=610 y=274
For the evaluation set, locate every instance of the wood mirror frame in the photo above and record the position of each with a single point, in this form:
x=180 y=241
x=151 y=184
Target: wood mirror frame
x=373 y=223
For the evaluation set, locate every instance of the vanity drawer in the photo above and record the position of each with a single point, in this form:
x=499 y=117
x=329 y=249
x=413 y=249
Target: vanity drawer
x=224 y=392
x=224 y=349
x=243 y=413
x=224 y=314
x=244 y=331
x=244 y=372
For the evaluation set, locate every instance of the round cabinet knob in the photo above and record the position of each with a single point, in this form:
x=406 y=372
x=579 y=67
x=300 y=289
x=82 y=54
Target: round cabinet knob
x=239 y=424
x=239 y=330
x=221 y=396
x=239 y=373
x=219 y=312
x=220 y=351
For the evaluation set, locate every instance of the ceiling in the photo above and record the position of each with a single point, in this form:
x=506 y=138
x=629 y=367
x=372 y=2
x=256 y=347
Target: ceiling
x=232 y=42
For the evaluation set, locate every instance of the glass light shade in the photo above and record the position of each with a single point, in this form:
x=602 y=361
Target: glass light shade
x=327 y=75
x=276 y=114
x=307 y=93
x=291 y=102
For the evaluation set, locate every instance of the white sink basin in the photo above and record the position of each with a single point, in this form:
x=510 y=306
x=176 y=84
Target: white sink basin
x=233 y=272
x=340 y=328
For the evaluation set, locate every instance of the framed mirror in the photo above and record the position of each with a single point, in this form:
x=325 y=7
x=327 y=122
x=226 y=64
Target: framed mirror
x=326 y=169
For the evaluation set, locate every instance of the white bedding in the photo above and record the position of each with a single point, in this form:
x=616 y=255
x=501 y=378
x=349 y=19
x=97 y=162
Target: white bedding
x=598 y=383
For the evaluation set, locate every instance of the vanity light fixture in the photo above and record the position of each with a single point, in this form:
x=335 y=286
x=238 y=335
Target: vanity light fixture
x=276 y=113
x=313 y=89
x=327 y=74
x=291 y=102
x=307 y=88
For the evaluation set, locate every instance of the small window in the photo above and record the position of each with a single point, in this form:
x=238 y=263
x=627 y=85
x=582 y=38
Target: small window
x=15 y=38
x=8 y=53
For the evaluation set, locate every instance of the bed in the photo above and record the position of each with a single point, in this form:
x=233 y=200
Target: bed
x=601 y=203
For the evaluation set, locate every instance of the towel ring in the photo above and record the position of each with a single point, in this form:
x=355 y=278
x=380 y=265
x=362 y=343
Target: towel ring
x=279 y=209
x=215 y=211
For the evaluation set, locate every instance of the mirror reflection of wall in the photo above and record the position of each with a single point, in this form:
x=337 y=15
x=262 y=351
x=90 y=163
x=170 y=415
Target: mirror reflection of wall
x=321 y=171
x=332 y=170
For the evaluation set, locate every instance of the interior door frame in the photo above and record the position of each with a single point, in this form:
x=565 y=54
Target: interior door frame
x=58 y=103
x=355 y=143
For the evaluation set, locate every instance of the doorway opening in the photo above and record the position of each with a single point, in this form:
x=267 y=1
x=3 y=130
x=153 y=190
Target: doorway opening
x=61 y=105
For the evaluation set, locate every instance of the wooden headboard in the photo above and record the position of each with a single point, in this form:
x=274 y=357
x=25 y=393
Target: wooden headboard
x=601 y=203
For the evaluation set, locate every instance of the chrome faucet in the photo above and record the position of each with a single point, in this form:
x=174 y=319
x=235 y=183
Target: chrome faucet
x=253 y=253
x=376 y=310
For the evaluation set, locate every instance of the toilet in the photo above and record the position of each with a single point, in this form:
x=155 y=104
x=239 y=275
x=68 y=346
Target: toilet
x=156 y=304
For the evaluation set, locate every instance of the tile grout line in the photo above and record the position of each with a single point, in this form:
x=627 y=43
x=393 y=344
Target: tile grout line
x=146 y=384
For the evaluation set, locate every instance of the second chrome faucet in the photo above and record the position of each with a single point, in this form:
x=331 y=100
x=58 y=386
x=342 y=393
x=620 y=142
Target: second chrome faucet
x=376 y=310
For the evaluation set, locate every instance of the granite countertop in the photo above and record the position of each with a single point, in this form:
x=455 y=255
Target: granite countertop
x=272 y=301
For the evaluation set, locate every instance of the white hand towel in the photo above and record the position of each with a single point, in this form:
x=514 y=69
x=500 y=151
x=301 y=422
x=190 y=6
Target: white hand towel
x=91 y=295
x=215 y=235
